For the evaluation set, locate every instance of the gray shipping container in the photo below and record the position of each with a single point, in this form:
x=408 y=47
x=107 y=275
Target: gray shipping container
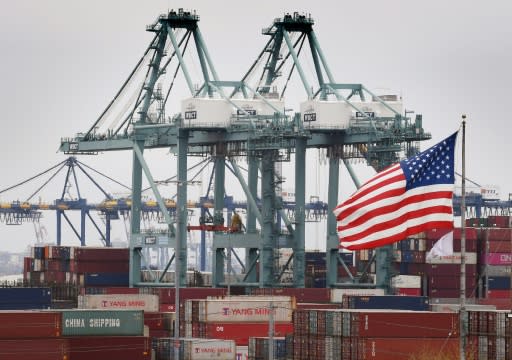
x=102 y=322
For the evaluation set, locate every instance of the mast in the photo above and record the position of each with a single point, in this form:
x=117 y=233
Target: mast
x=462 y=312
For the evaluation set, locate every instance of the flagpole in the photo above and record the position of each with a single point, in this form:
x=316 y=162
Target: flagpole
x=462 y=312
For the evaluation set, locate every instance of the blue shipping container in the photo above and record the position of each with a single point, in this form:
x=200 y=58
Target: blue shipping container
x=415 y=303
x=36 y=295
x=499 y=282
x=106 y=279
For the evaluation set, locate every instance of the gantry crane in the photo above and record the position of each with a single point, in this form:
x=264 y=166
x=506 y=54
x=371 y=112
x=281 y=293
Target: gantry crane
x=249 y=121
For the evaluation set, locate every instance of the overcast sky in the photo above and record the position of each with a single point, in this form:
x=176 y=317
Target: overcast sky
x=62 y=62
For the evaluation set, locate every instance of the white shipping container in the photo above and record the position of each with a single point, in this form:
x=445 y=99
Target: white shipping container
x=199 y=112
x=406 y=281
x=453 y=259
x=205 y=349
x=247 y=310
x=337 y=294
x=456 y=307
x=498 y=270
x=144 y=302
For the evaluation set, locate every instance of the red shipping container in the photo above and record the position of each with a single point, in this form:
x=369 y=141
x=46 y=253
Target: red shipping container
x=411 y=324
x=29 y=324
x=500 y=303
x=499 y=246
x=167 y=308
x=451 y=293
x=497 y=259
x=121 y=290
x=158 y=320
x=499 y=294
x=58 y=277
x=450 y=269
x=499 y=221
x=317 y=306
x=100 y=254
x=408 y=291
x=407 y=348
x=451 y=282
x=471 y=245
x=34 y=349
x=241 y=332
x=436 y=234
x=109 y=348
x=168 y=295
x=28 y=264
x=501 y=234
x=81 y=266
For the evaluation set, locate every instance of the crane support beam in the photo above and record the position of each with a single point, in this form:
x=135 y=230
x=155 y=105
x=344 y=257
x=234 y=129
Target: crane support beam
x=299 y=246
x=332 y=248
x=297 y=64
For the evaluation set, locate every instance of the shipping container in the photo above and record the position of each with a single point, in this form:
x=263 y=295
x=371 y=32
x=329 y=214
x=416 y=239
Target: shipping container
x=337 y=294
x=249 y=309
x=105 y=279
x=497 y=259
x=406 y=281
x=99 y=254
x=259 y=348
x=450 y=269
x=30 y=324
x=498 y=283
x=302 y=295
x=102 y=322
x=497 y=270
x=415 y=303
x=168 y=295
x=194 y=349
x=34 y=349
x=109 y=348
x=406 y=324
x=495 y=246
x=159 y=320
x=100 y=266
x=241 y=332
x=406 y=348
x=17 y=295
x=242 y=353
x=453 y=259
x=120 y=302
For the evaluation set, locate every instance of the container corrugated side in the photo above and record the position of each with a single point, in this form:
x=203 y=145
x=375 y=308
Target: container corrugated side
x=37 y=295
x=109 y=348
x=29 y=324
x=119 y=302
x=249 y=310
x=34 y=349
x=102 y=322
x=241 y=332
x=337 y=294
x=405 y=324
x=206 y=349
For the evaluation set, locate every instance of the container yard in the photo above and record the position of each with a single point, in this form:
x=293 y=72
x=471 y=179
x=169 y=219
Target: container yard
x=230 y=278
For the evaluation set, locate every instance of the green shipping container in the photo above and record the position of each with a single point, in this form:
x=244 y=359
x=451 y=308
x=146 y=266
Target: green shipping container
x=102 y=322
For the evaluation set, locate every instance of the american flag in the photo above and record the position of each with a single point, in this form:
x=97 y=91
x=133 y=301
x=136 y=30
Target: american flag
x=402 y=200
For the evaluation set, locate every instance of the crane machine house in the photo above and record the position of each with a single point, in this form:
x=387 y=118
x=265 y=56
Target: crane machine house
x=220 y=113
x=316 y=114
x=326 y=114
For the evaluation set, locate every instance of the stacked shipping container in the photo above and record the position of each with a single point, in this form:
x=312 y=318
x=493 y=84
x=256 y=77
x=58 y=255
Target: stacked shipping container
x=73 y=334
x=372 y=334
x=238 y=317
